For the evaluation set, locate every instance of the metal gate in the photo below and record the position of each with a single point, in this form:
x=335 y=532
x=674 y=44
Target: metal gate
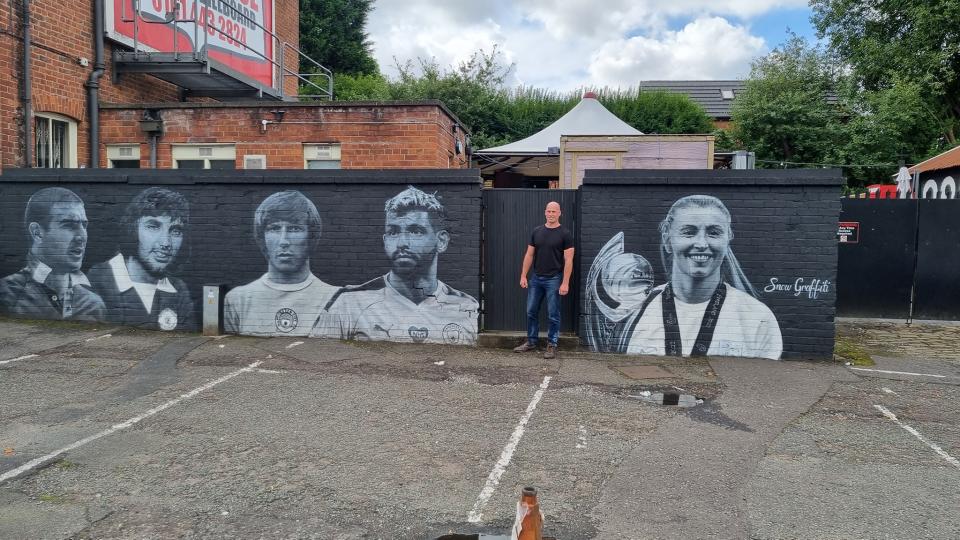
x=904 y=261
x=509 y=216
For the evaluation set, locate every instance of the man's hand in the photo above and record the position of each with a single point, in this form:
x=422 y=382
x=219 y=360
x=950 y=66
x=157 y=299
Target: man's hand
x=523 y=282
x=564 y=289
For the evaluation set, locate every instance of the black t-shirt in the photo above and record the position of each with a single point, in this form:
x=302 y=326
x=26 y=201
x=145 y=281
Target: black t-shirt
x=549 y=245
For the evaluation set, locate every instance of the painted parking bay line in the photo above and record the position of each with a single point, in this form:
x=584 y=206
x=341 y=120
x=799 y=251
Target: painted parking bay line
x=17 y=359
x=493 y=480
x=123 y=425
x=950 y=459
x=900 y=373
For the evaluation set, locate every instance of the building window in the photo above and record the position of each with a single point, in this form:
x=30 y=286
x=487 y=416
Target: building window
x=321 y=156
x=204 y=156
x=123 y=156
x=55 y=141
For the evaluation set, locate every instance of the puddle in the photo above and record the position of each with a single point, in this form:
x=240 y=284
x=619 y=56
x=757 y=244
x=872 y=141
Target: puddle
x=668 y=398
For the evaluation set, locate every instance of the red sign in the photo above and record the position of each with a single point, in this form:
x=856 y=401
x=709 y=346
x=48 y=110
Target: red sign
x=231 y=31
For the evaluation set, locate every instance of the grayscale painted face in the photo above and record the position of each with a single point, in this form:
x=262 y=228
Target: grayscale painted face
x=410 y=242
x=64 y=238
x=160 y=239
x=288 y=246
x=698 y=239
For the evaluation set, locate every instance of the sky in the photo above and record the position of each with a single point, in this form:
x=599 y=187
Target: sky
x=564 y=45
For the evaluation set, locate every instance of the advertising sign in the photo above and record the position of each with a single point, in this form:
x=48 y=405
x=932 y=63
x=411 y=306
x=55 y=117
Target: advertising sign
x=232 y=31
x=848 y=232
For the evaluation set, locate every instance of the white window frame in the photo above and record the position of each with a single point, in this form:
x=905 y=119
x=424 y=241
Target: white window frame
x=204 y=152
x=321 y=152
x=70 y=142
x=115 y=152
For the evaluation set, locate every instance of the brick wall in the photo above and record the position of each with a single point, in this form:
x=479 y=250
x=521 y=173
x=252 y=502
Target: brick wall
x=218 y=245
x=62 y=34
x=371 y=136
x=784 y=237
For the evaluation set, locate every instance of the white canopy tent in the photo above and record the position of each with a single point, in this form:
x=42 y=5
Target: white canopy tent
x=538 y=155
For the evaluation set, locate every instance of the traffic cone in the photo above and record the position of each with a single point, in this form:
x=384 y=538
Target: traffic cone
x=529 y=522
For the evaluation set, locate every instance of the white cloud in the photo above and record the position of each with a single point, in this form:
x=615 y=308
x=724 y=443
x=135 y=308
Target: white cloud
x=709 y=48
x=566 y=44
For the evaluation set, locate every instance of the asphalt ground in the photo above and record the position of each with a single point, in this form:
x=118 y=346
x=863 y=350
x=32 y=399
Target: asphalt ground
x=120 y=433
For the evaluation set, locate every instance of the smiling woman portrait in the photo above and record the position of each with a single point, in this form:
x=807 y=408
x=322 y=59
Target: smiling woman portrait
x=708 y=307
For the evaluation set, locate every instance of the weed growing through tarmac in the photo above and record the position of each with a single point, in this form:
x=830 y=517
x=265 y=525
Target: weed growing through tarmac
x=850 y=351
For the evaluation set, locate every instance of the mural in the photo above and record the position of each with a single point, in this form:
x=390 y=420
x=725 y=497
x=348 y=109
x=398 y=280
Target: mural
x=409 y=303
x=51 y=285
x=138 y=288
x=706 y=307
x=288 y=298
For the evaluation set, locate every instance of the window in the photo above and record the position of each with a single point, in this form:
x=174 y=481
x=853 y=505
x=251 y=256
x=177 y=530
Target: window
x=321 y=156
x=726 y=94
x=55 y=140
x=206 y=156
x=123 y=156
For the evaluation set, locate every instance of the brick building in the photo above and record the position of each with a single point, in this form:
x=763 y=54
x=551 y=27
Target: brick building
x=76 y=101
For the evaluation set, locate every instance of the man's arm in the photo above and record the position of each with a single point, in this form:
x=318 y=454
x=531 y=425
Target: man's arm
x=567 y=270
x=527 y=263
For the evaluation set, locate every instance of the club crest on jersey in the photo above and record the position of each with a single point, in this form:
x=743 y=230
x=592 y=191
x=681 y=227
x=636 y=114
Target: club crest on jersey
x=167 y=320
x=286 y=320
x=453 y=333
x=419 y=335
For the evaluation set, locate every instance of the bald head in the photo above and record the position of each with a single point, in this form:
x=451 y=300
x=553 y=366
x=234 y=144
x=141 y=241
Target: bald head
x=552 y=213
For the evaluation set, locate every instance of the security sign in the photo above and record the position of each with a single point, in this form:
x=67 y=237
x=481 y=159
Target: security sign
x=235 y=33
x=848 y=232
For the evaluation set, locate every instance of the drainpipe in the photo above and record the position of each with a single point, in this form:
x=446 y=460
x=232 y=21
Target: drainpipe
x=27 y=89
x=93 y=84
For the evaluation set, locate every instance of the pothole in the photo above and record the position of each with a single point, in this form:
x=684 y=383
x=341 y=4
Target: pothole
x=675 y=399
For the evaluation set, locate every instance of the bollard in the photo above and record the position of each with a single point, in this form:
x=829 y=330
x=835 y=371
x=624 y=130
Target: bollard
x=213 y=309
x=529 y=522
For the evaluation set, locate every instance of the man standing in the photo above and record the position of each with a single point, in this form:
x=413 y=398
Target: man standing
x=409 y=303
x=52 y=286
x=138 y=289
x=550 y=253
x=286 y=299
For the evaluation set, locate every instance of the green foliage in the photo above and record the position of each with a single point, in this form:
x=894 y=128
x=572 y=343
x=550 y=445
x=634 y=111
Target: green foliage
x=332 y=33
x=476 y=92
x=360 y=87
x=886 y=41
x=782 y=114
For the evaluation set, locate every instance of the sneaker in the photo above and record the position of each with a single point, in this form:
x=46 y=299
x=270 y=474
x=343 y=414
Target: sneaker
x=551 y=352
x=526 y=346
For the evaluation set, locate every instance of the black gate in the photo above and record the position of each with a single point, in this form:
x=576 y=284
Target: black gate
x=902 y=246
x=509 y=216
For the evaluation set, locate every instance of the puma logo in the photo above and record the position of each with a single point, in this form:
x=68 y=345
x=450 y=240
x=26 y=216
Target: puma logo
x=386 y=331
x=419 y=335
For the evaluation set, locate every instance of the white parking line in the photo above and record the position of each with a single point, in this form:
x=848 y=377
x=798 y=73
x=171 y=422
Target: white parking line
x=294 y=344
x=99 y=337
x=900 y=373
x=17 y=359
x=123 y=425
x=493 y=480
x=950 y=459
x=889 y=391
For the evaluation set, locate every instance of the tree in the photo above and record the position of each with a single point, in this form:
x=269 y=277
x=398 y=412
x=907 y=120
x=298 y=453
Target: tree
x=886 y=41
x=783 y=113
x=332 y=32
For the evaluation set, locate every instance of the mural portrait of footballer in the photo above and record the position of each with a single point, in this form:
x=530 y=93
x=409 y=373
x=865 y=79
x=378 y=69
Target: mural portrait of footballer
x=408 y=304
x=288 y=298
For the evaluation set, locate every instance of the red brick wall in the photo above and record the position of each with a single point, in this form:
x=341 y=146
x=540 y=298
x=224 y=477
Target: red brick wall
x=370 y=136
x=62 y=34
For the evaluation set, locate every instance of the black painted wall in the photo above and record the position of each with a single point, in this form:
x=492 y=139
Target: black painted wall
x=219 y=245
x=784 y=225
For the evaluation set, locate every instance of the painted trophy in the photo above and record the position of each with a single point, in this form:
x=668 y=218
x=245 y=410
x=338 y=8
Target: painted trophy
x=617 y=286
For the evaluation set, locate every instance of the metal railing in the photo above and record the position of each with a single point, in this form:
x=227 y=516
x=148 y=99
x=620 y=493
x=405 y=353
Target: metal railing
x=280 y=72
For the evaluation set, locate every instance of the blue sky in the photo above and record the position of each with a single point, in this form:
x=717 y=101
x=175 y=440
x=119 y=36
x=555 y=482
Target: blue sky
x=570 y=44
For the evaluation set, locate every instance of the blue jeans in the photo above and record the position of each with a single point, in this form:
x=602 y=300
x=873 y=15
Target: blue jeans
x=537 y=288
